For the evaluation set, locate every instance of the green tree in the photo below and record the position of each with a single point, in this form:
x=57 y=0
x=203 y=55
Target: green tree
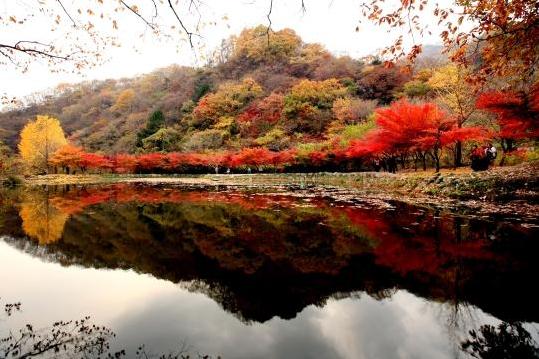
x=202 y=87
x=416 y=89
x=155 y=122
x=164 y=140
x=210 y=139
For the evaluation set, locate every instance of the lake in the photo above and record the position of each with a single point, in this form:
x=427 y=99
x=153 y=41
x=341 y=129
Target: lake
x=266 y=272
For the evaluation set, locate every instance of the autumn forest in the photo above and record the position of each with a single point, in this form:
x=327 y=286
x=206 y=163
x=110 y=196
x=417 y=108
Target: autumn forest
x=269 y=179
x=282 y=105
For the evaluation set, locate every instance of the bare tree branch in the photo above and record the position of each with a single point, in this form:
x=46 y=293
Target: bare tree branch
x=189 y=33
x=152 y=26
x=269 y=21
x=8 y=57
x=410 y=23
x=196 y=5
x=33 y=51
x=155 y=9
x=67 y=13
x=193 y=3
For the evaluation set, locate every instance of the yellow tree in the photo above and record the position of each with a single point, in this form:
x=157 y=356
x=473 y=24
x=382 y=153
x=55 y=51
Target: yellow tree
x=40 y=139
x=263 y=44
x=310 y=53
x=307 y=107
x=454 y=93
x=124 y=100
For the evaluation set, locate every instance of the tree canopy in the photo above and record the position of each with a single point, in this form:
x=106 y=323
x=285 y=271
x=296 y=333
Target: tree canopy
x=40 y=139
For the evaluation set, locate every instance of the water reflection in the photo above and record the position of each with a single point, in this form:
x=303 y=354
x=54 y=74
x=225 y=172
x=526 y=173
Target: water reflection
x=41 y=219
x=267 y=255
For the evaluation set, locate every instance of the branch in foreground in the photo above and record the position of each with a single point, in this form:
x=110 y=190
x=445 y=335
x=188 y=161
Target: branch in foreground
x=269 y=21
x=32 y=51
x=189 y=33
x=149 y=24
x=67 y=13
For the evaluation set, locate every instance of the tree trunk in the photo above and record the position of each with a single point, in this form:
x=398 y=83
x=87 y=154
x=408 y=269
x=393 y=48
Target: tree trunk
x=436 y=157
x=458 y=154
x=510 y=144
x=507 y=146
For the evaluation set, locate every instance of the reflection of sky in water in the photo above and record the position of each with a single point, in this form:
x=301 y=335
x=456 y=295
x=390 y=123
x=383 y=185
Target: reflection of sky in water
x=160 y=314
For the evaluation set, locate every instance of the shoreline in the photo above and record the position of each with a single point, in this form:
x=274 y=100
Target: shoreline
x=501 y=190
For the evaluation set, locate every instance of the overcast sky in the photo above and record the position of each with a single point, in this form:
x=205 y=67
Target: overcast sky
x=331 y=23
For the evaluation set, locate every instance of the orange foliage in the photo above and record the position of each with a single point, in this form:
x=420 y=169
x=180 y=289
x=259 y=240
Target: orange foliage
x=67 y=157
x=229 y=98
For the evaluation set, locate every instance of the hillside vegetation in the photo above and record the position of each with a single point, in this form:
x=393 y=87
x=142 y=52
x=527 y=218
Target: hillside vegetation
x=253 y=93
x=271 y=102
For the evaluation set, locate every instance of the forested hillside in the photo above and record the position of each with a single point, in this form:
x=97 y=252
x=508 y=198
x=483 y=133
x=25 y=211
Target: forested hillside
x=254 y=92
x=269 y=100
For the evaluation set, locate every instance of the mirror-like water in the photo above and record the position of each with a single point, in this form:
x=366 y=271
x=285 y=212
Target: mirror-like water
x=251 y=273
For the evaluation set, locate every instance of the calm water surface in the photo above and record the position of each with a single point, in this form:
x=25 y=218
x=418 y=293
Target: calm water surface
x=274 y=273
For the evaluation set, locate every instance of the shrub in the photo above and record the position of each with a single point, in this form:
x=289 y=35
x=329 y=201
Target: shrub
x=12 y=181
x=205 y=140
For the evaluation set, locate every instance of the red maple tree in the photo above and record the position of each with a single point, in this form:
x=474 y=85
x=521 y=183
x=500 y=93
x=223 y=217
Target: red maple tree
x=404 y=129
x=516 y=114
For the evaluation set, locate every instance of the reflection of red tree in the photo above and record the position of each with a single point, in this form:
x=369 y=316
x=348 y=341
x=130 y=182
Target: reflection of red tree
x=75 y=201
x=321 y=240
x=423 y=254
x=429 y=246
